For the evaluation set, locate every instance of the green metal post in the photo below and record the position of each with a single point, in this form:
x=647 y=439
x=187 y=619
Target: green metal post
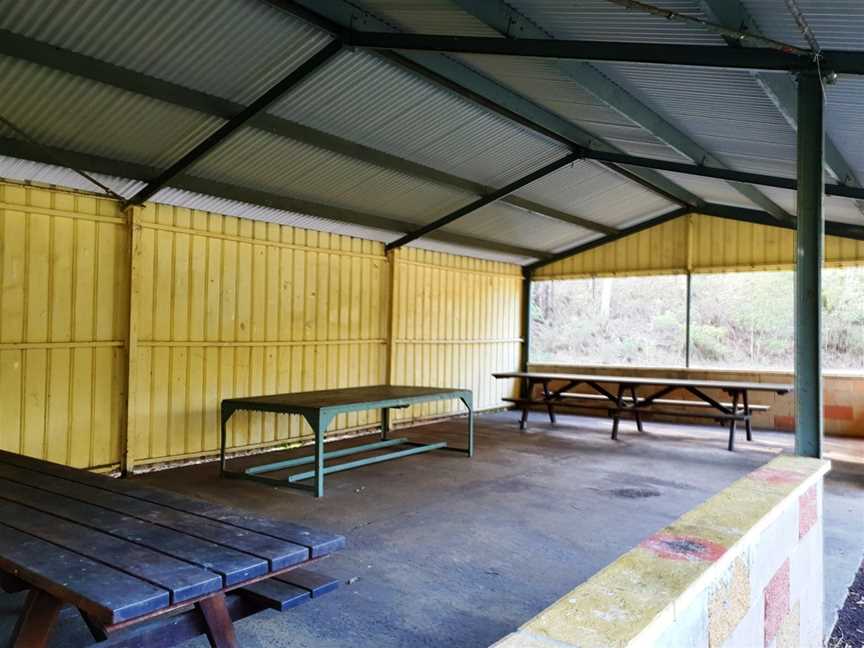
x=526 y=327
x=688 y=322
x=808 y=266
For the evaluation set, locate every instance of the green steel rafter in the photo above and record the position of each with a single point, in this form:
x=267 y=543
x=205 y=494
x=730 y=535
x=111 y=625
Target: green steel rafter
x=508 y=22
x=780 y=89
x=496 y=195
x=304 y=70
x=133 y=171
x=337 y=17
x=34 y=51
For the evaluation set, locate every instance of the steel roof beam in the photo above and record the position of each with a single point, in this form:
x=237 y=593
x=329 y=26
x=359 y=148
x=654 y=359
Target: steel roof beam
x=507 y=21
x=752 y=58
x=87 y=67
x=780 y=89
x=496 y=195
x=842 y=191
x=227 y=129
x=134 y=171
x=337 y=16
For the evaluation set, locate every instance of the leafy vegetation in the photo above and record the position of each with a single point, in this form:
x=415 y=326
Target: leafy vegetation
x=739 y=320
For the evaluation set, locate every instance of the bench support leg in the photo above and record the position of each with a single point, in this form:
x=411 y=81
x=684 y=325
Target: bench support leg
x=747 y=423
x=732 y=422
x=217 y=621
x=638 y=415
x=547 y=396
x=616 y=418
x=36 y=621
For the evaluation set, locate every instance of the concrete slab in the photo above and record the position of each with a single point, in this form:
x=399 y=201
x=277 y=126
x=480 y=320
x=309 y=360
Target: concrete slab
x=447 y=551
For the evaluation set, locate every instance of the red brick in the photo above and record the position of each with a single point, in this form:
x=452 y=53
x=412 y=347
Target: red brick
x=839 y=412
x=784 y=422
x=776 y=597
x=807 y=511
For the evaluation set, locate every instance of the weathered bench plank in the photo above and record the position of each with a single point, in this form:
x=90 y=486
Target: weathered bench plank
x=314 y=582
x=319 y=543
x=182 y=580
x=232 y=565
x=278 y=553
x=107 y=594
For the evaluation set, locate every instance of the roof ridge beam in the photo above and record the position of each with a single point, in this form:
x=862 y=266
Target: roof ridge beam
x=81 y=65
x=136 y=171
x=505 y=19
x=496 y=195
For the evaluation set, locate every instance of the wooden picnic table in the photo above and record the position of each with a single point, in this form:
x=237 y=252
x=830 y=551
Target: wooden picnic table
x=142 y=566
x=319 y=408
x=623 y=399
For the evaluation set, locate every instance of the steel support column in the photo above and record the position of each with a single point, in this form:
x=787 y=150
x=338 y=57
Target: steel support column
x=525 y=356
x=689 y=320
x=808 y=267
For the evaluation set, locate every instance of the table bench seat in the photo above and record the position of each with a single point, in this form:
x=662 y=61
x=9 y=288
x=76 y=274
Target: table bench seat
x=143 y=567
x=676 y=402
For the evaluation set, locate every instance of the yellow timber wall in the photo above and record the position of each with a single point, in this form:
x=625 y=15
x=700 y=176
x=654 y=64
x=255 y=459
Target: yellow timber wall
x=699 y=244
x=117 y=342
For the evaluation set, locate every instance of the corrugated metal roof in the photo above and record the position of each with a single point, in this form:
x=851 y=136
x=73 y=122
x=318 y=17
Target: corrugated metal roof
x=428 y=17
x=603 y=21
x=844 y=119
x=710 y=189
x=505 y=224
x=368 y=100
x=65 y=111
x=724 y=111
x=542 y=81
x=589 y=190
x=266 y=162
x=26 y=171
x=837 y=24
x=229 y=48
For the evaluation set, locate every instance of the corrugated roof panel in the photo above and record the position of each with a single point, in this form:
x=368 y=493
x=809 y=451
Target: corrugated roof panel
x=591 y=191
x=65 y=111
x=710 y=189
x=725 y=111
x=844 y=122
x=601 y=20
x=505 y=224
x=842 y=210
x=428 y=17
x=278 y=165
x=837 y=24
x=371 y=101
x=229 y=48
x=49 y=174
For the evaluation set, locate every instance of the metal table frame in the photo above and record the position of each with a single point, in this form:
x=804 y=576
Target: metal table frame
x=738 y=391
x=320 y=417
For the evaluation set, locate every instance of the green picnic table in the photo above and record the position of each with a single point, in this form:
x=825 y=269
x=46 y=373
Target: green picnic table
x=319 y=408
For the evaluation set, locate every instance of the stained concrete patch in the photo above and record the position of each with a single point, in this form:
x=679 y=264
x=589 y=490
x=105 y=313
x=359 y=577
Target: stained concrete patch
x=807 y=511
x=729 y=603
x=635 y=493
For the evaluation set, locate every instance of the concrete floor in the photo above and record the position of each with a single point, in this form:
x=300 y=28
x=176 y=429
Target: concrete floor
x=446 y=551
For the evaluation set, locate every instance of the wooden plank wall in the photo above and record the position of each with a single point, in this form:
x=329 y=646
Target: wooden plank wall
x=455 y=321
x=63 y=303
x=220 y=306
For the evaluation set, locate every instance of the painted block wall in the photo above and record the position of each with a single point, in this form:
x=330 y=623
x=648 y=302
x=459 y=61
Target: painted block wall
x=844 y=395
x=742 y=570
x=164 y=317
